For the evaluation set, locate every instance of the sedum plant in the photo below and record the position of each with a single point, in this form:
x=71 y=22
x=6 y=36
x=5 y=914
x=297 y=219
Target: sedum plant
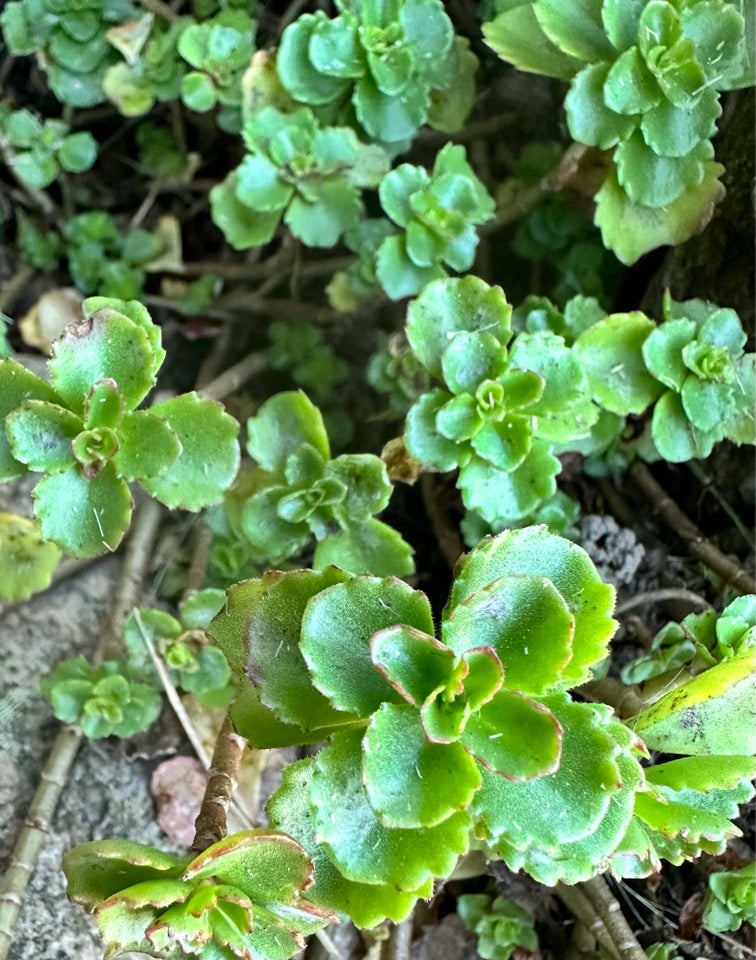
x=645 y=84
x=43 y=148
x=193 y=663
x=387 y=58
x=70 y=41
x=298 y=492
x=438 y=213
x=241 y=897
x=27 y=562
x=501 y=925
x=501 y=405
x=297 y=171
x=108 y=700
x=730 y=900
x=84 y=433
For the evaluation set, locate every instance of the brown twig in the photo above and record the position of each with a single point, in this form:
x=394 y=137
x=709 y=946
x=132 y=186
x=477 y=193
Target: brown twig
x=662 y=596
x=211 y=823
x=668 y=511
x=624 y=698
x=608 y=909
x=450 y=543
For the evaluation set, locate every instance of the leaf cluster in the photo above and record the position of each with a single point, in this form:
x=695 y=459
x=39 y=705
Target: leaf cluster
x=298 y=492
x=645 y=84
x=297 y=171
x=388 y=59
x=730 y=900
x=71 y=39
x=83 y=431
x=301 y=349
x=500 y=924
x=43 y=148
x=240 y=898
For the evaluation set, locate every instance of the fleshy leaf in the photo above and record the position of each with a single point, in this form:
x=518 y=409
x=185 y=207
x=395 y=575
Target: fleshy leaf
x=410 y=781
x=18 y=384
x=369 y=546
x=149 y=446
x=712 y=713
x=518 y=38
x=209 y=457
x=106 y=345
x=413 y=662
x=289 y=810
x=363 y=849
x=27 y=562
x=86 y=517
x=283 y=423
x=41 y=434
x=336 y=630
x=526 y=621
x=535 y=552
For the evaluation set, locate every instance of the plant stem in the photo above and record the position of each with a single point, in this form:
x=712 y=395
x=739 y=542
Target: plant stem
x=232 y=378
x=14 y=285
x=662 y=596
x=449 y=541
x=210 y=826
x=55 y=773
x=699 y=546
x=610 y=912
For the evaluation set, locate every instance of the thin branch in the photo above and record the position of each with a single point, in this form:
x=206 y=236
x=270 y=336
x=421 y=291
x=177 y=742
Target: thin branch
x=449 y=541
x=13 y=286
x=607 y=907
x=668 y=511
x=662 y=596
x=211 y=823
x=708 y=484
x=55 y=773
x=231 y=379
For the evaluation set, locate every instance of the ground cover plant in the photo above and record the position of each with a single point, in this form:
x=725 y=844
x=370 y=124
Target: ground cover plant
x=346 y=285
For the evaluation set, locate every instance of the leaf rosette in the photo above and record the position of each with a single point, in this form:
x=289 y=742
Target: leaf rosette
x=83 y=432
x=240 y=898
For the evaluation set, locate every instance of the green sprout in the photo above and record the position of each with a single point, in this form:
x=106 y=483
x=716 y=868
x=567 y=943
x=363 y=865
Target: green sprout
x=730 y=900
x=501 y=925
x=44 y=148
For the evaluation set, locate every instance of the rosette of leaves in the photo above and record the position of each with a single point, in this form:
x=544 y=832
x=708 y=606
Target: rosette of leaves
x=438 y=213
x=27 y=562
x=386 y=58
x=730 y=900
x=110 y=700
x=301 y=349
x=309 y=176
x=431 y=737
x=240 y=898
x=70 y=40
x=394 y=370
x=500 y=407
x=501 y=925
x=193 y=663
x=218 y=50
x=103 y=260
x=645 y=83
x=151 y=70
x=700 y=641
x=697 y=353
x=43 y=148
x=83 y=431
x=298 y=492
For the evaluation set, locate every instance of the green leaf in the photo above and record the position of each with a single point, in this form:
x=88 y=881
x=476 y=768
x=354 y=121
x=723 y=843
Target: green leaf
x=336 y=630
x=409 y=781
x=397 y=273
x=397 y=189
x=630 y=230
x=200 y=606
x=368 y=546
x=610 y=352
x=136 y=313
x=621 y=20
x=653 y=181
x=35 y=168
x=27 y=562
x=448 y=307
x=576 y=29
x=674 y=436
x=497 y=494
x=320 y=223
x=149 y=446
x=18 y=384
x=717 y=32
x=263 y=526
x=526 y=621
x=241 y=226
x=267 y=615
x=533 y=552
x=334 y=49
x=517 y=37
x=41 y=434
x=363 y=849
x=672 y=131
x=78 y=152
x=505 y=444
x=86 y=517
x=712 y=713
x=413 y=662
x=296 y=70
x=259 y=186
x=101 y=868
x=282 y=424
x=662 y=351
x=451 y=107
x=514 y=736
x=590 y=120
x=209 y=457
x=707 y=405
x=198 y=91
x=630 y=88
x=107 y=345
x=367 y=905
x=391 y=119
x=423 y=439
